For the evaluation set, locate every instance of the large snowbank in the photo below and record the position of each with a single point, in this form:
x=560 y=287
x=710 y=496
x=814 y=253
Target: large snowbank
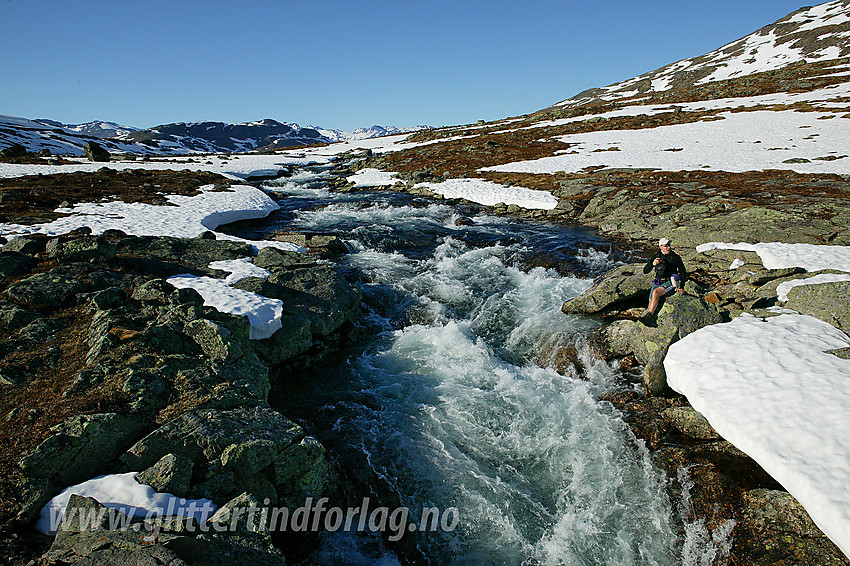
x=769 y=388
x=489 y=193
x=734 y=141
x=778 y=255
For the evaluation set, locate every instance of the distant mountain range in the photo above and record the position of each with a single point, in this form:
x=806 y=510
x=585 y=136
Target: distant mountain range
x=173 y=139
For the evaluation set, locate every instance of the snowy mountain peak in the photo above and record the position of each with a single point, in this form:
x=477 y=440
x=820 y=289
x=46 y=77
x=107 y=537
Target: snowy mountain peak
x=810 y=35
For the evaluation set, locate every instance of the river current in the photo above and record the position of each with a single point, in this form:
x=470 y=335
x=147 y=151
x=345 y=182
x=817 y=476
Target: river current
x=449 y=399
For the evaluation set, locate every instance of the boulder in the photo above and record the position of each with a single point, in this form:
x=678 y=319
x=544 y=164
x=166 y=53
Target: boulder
x=687 y=313
x=96 y=152
x=826 y=301
x=171 y=474
x=690 y=423
x=274 y=260
x=81 y=248
x=14 y=150
x=215 y=340
x=13 y=317
x=773 y=526
x=616 y=288
x=236 y=447
x=14 y=263
x=81 y=447
x=83 y=542
x=50 y=289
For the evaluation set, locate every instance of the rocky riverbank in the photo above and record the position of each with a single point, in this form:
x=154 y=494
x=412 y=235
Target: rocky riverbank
x=750 y=517
x=107 y=368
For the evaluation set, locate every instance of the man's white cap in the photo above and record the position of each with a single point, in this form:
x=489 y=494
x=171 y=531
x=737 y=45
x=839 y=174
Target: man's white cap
x=663 y=241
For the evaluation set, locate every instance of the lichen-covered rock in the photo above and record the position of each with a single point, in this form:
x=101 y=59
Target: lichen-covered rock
x=171 y=474
x=50 y=289
x=215 y=340
x=82 y=446
x=774 y=528
x=14 y=263
x=690 y=423
x=826 y=301
x=301 y=471
x=81 y=542
x=622 y=285
x=654 y=376
x=80 y=248
x=239 y=448
x=687 y=313
x=276 y=260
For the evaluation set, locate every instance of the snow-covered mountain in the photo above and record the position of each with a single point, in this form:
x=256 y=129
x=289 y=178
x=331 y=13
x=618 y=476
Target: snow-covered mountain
x=175 y=139
x=39 y=135
x=96 y=128
x=366 y=133
x=216 y=137
x=809 y=36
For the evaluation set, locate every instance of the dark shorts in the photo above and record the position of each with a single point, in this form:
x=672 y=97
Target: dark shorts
x=666 y=285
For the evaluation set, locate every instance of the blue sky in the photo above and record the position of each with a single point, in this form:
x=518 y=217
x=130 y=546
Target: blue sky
x=342 y=64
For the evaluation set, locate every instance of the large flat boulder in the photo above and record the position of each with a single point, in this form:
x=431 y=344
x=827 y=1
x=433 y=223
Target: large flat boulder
x=621 y=285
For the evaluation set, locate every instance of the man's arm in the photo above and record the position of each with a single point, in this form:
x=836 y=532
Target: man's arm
x=648 y=267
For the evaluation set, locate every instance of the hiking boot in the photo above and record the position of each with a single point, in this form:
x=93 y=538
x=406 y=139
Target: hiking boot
x=647 y=318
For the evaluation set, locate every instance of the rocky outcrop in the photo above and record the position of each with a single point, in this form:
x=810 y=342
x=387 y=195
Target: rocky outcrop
x=826 y=301
x=97 y=325
x=622 y=286
x=96 y=152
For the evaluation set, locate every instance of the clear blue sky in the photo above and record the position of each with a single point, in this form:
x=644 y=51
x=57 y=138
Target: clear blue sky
x=342 y=63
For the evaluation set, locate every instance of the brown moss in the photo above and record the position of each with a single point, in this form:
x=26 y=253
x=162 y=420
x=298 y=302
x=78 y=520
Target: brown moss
x=33 y=198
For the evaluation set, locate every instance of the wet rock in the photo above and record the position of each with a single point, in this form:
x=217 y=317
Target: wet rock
x=82 y=446
x=274 y=260
x=616 y=288
x=171 y=474
x=690 y=423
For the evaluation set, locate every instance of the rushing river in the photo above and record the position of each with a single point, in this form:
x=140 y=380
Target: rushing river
x=449 y=400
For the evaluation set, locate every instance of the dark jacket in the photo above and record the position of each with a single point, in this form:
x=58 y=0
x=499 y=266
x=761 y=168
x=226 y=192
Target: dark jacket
x=670 y=263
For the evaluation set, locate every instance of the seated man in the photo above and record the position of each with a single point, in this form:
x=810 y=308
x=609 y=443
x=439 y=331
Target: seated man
x=669 y=274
